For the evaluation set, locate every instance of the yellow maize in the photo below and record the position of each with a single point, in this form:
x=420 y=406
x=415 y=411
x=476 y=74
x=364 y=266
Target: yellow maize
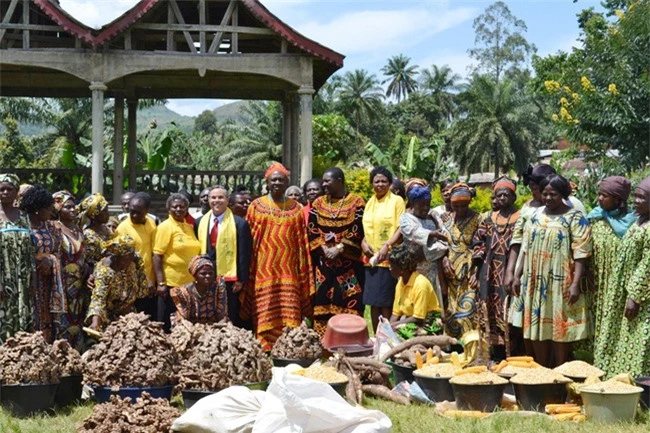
x=418 y=360
x=520 y=358
x=497 y=368
x=429 y=354
x=470 y=370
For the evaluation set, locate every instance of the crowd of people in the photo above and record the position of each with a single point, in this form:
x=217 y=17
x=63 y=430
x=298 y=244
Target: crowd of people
x=552 y=276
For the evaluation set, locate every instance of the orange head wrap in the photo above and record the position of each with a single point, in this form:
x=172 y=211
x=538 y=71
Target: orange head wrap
x=276 y=166
x=504 y=182
x=461 y=192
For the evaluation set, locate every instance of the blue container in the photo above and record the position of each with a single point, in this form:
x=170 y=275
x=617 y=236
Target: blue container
x=103 y=393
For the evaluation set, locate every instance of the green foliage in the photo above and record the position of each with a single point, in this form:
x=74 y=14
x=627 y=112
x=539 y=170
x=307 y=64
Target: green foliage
x=360 y=96
x=332 y=137
x=206 y=122
x=483 y=200
x=401 y=77
x=14 y=152
x=358 y=182
x=156 y=147
x=436 y=196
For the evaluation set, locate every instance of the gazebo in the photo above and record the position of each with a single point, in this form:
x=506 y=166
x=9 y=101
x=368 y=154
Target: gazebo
x=232 y=49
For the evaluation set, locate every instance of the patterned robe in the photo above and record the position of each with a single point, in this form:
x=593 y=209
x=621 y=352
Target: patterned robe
x=190 y=306
x=281 y=279
x=339 y=282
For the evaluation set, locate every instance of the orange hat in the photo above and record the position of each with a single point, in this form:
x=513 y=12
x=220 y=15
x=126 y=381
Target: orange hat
x=276 y=166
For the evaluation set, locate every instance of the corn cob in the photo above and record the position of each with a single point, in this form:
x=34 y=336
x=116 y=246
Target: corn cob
x=501 y=366
x=466 y=414
x=520 y=358
x=470 y=370
x=418 y=360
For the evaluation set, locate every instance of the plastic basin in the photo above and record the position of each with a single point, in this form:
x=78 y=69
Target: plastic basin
x=282 y=362
x=644 y=382
x=509 y=389
x=69 y=390
x=401 y=373
x=536 y=397
x=27 y=399
x=485 y=398
x=609 y=407
x=103 y=393
x=191 y=396
x=436 y=388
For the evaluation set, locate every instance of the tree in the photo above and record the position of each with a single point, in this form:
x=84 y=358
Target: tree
x=598 y=94
x=206 y=122
x=500 y=123
x=13 y=148
x=441 y=83
x=499 y=45
x=359 y=96
x=401 y=77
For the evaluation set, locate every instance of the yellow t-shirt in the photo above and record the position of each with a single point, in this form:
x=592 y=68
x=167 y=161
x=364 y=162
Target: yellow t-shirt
x=381 y=220
x=416 y=298
x=176 y=242
x=143 y=235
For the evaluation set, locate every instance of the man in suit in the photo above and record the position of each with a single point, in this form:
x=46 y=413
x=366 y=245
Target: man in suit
x=226 y=239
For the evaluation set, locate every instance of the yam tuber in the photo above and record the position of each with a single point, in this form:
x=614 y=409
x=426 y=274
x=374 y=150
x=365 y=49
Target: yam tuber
x=386 y=393
x=433 y=341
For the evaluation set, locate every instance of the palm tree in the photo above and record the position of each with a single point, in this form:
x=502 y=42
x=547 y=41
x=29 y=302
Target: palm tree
x=440 y=83
x=401 y=77
x=500 y=123
x=359 y=96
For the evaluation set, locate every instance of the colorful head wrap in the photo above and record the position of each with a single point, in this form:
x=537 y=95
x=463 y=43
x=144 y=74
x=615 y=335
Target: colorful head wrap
x=461 y=192
x=616 y=186
x=504 y=182
x=10 y=178
x=92 y=206
x=118 y=246
x=276 y=166
x=60 y=198
x=419 y=193
x=645 y=185
x=414 y=182
x=199 y=262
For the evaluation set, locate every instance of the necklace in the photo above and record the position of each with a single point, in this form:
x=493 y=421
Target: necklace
x=338 y=211
x=507 y=224
x=460 y=226
x=284 y=206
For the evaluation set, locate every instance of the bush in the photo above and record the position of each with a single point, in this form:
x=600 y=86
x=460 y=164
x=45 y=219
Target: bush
x=358 y=182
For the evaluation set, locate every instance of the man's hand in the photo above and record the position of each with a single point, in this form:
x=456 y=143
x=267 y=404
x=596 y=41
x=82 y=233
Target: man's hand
x=237 y=286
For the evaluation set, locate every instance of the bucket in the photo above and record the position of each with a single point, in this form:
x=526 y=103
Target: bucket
x=536 y=397
x=282 y=362
x=191 y=396
x=436 y=388
x=610 y=408
x=69 y=390
x=484 y=398
x=401 y=373
x=644 y=382
x=103 y=393
x=27 y=399
x=509 y=388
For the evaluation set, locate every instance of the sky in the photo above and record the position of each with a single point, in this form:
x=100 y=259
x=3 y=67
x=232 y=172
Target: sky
x=368 y=32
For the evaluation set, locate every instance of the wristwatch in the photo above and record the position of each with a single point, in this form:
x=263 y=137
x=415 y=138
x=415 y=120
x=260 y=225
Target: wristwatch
x=162 y=284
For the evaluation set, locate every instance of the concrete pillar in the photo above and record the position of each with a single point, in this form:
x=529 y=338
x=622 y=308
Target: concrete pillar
x=287 y=112
x=132 y=156
x=97 y=88
x=294 y=162
x=118 y=151
x=305 y=93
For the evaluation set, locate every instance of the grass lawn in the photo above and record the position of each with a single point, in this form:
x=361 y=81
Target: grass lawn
x=406 y=419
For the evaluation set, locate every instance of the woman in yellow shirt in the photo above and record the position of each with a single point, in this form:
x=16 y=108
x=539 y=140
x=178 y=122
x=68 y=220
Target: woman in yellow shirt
x=415 y=298
x=381 y=231
x=175 y=244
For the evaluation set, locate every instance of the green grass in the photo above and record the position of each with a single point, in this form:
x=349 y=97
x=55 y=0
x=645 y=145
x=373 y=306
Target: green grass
x=407 y=419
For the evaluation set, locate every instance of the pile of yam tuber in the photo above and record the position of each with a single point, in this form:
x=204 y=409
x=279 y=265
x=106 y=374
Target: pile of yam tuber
x=225 y=356
x=133 y=351
x=68 y=358
x=184 y=337
x=27 y=358
x=298 y=343
x=146 y=415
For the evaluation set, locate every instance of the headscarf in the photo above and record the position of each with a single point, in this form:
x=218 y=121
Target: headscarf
x=10 y=178
x=413 y=182
x=276 y=166
x=22 y=190
x=199 y=262
x=504 y=182
x=419 y=193
x=645 y=185
x=91 y=206
x=60 y=198
x=616 y=186
x=537 y=174
x=461 y=192
x=118 y=246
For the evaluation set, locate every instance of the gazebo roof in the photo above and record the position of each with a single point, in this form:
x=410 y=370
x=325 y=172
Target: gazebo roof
x=156 y=48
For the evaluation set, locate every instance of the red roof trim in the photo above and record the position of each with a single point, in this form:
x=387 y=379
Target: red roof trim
x=292 y=36
x=124 y=21
x=65 y=20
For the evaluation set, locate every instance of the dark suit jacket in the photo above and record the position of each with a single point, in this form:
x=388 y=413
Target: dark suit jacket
x=244 y=246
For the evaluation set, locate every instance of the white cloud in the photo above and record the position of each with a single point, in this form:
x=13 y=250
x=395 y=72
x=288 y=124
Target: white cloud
x=96 y=13
x=383 y=30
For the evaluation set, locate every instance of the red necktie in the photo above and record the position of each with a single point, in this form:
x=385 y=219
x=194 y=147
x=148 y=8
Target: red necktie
x=214 y=233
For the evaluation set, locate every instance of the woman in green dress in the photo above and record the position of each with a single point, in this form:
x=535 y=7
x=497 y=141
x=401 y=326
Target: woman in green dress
x=629 y=317
x=557 y=242
x=460 y=225
x=610 y=220
x=16 y=262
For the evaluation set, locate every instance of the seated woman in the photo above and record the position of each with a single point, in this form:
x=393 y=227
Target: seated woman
x=119 y=281
x=415 y=299
x=203 y=300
